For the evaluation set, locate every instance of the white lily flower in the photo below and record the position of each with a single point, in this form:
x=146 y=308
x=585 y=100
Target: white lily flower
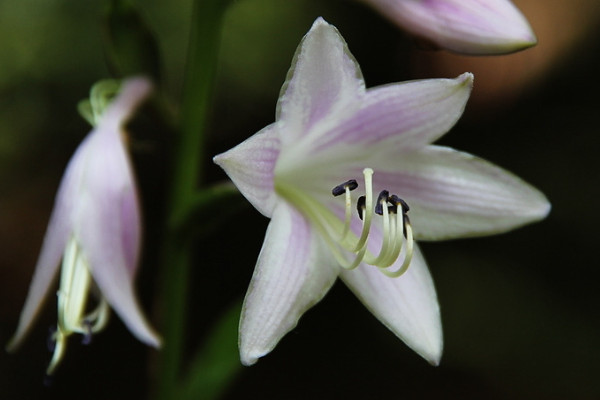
x=464 y=26
x=95 y=229
x=332 y=133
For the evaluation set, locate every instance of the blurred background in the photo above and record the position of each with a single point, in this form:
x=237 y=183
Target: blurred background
x=520 y=310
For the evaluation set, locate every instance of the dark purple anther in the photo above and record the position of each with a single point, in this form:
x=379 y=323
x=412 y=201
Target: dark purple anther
x=360 y=206
x=381 y=201
x=87 y=336
x=341 y=189
x=398 y=201
x=48 y=380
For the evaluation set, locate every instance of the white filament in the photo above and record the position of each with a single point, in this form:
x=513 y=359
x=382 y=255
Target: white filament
x=393 y=227
x=75 y=285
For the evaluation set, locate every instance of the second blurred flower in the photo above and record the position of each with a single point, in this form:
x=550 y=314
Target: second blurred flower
x=464 y=26
x=95 y=229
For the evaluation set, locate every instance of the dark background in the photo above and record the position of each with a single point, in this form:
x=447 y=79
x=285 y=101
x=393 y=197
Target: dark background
x=520 y=310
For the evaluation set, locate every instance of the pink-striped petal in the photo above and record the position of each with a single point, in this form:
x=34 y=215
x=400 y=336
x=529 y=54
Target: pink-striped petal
x=454 y=194
x=293 y=272
x=464 y=26
x=56 y=237
x=250 y=165
x=324 y=79
x=407 y=305
x=398 y=117
x=107 y=220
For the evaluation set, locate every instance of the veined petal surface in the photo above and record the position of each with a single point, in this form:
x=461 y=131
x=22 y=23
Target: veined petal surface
x=407 y=305
x=293 y=272
x=324 y=79
x=317 y=172
x=455 y=194
x=250 y=166
x=398 y=117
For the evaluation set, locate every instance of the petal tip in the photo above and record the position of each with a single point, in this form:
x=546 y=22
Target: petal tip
x=249 y=358
x=319 y=22
x=218 y=159
x=134 y=91
x=542 y=210
x=466 y=79
x=140 y=86
x=154 y=341
x=434 y=357
x=432 y=348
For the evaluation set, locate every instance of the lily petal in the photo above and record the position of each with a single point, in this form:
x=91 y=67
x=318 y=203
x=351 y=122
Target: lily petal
x=455 y=194
x=107 y=224
x=55 y=240
x=324 y=79
x=464 y=26
x=132 y=94
x=400 y=116
x=250 y=166
x=407 y=305
x=293 y=272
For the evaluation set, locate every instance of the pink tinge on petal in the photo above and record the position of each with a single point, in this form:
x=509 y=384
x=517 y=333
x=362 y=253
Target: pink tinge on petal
x=407 y=305
x=467 y=26
x=455 y=194
x=57 y=234
x=251 y=165
x=96 y=205
x=133 y=92
x=324 y=78
x=400 y=116
x=130 y=229
x=107 y=224
x=293 y=272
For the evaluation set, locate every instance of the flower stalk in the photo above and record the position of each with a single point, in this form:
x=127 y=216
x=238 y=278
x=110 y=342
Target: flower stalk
x=187 y=173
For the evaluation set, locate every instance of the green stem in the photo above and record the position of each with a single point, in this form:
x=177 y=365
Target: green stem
x=186 y=178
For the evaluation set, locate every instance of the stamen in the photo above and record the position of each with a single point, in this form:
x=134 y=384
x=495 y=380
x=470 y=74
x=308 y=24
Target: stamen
x=407 y=256
x=406 y=229
x=75 y=284
x=59 y=351
x=360 y=247
x=395 y=200
x=48 y=380
x=368 y=214
x=396 y=239
x=87 y=336
x=360 y=207
x=344 y=187
x=381 y=201
x=395 y=227
x=388 y=237
x=51 y=341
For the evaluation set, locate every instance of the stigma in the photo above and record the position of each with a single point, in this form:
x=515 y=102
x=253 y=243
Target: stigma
x=74 y=291
x=395 y=225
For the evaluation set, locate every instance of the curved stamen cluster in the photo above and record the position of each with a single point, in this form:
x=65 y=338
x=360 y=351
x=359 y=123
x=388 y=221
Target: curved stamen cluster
x=75 y=285
x=395 y=228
